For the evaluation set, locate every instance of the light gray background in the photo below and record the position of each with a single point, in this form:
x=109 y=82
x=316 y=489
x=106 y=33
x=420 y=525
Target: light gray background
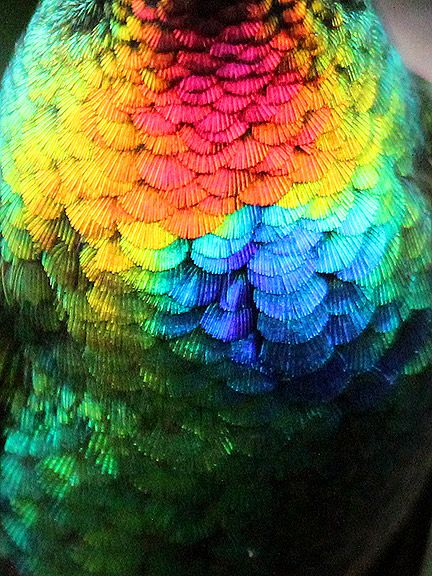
x=409 y=23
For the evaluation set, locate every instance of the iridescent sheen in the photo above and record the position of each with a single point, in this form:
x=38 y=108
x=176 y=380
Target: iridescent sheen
x=215 y=245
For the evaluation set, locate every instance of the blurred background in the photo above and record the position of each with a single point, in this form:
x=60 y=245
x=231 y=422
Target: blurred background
x=15 y=15
x=409 y=24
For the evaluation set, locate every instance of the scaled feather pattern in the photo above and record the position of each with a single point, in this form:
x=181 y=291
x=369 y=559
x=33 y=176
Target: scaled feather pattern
x=216 y=258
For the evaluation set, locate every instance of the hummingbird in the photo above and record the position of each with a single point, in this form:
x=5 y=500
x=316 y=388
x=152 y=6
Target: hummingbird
x=216 y=289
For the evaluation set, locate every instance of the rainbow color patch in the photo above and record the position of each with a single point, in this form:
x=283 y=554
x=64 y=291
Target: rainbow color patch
x=213 y=231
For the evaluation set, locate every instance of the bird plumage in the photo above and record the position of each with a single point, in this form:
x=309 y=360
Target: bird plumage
x=216 y=262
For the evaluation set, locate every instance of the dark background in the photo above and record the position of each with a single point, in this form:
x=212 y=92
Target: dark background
x=14 y=15
x=409 y=22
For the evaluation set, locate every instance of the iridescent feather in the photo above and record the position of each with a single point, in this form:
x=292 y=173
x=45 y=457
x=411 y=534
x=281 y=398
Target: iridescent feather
x=216 y=271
